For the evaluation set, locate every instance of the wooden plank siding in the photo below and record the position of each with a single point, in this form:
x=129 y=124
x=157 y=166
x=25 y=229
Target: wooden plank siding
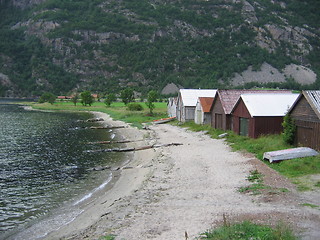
x=308 y=134
x=218 y=116
x=308 y=124
x=240 y=111
x=303 y=111
x=267 y=125
x=189 y=113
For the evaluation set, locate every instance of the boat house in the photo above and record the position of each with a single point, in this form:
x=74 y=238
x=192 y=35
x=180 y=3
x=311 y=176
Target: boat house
x=306 y=114
x=261 y=114
x=187 y=101
x=224 y=102
x=202 y=112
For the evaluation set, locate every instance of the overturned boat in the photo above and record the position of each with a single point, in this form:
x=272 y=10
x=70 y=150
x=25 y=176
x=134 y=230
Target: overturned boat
x=290 y=153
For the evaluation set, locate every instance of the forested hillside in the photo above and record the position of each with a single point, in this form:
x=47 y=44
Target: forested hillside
x=63 y=46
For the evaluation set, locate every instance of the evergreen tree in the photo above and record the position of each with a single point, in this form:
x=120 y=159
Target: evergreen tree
x=289 y=129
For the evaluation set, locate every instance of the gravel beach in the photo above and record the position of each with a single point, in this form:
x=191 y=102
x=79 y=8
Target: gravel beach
x=171 y=192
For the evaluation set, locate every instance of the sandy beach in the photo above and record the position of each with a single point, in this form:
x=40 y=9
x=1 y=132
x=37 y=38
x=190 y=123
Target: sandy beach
x=168 y=192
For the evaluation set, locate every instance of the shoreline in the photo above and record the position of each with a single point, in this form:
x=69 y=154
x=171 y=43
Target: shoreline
x=164 y=193
x=78 y=214
x=125 y=180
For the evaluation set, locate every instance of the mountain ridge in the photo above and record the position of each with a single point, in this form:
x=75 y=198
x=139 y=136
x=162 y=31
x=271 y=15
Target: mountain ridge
x=103 y=46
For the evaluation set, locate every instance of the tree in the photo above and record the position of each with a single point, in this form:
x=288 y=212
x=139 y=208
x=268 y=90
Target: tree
x=289 y=129
x=47 y=97
x=127 y=95
x=152 y=97
x=75 y=99
x=86 y=98
x=110 y=99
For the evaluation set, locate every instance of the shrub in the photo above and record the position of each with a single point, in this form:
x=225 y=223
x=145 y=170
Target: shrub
x=289 y=129
x=134 y=107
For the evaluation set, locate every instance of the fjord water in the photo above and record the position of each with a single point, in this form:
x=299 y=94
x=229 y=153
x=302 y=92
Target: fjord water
x=44 y=163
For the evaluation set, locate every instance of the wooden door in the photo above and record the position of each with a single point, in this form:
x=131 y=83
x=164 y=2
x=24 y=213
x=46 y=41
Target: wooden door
x=244 y=126
x=218 y=121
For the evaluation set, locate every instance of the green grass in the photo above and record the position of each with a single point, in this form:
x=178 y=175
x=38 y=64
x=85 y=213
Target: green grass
x=310 y=205
x=108 y=237
x=248 y=230
x=117 y=110
x=256 y=178
x=298 y=167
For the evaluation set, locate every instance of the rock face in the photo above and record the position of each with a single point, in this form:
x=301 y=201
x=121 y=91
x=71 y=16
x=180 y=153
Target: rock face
x=300 y=74
x=4 y=80
x=269 y=74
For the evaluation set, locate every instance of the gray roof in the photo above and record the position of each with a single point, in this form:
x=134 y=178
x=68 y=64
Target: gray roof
x=190 y=96
x=272 y=104
x=313 y=97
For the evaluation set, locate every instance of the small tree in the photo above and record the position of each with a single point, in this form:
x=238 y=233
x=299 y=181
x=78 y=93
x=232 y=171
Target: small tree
x=47 y=97
x=127 y=95
x=86 y=98
x=152 y=97
x=110 y=99
x=75 y=99
x=289 y=129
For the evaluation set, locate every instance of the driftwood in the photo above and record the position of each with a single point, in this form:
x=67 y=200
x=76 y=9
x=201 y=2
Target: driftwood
x=134 y=149
x=109 y=127
x=95 y=120
x=121 y=141
x=100 y=168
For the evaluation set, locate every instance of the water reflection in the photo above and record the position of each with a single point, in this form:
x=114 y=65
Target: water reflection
x=43 y=162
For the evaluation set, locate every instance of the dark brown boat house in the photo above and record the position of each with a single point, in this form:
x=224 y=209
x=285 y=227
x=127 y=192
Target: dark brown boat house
x=224 y=101
x=261 y=114
x=306 y=113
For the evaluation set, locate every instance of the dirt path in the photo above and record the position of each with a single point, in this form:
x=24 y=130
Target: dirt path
x=190 y=187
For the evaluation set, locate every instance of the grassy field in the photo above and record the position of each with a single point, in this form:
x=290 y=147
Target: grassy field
x=117 y=110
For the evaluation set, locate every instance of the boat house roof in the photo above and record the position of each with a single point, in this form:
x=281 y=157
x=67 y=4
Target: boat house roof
x=313 y=98
x=206 y=103
x=190 y=96
x=270 y=105
x=229 y=97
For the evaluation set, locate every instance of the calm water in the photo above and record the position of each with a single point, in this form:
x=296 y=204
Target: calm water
x=44 y=163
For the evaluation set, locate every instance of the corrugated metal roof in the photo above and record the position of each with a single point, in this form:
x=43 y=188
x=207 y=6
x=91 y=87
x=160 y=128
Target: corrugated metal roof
x=313 y=98
x=268 y=104
x=190 y=96
x=230 y=97
x=206 y=103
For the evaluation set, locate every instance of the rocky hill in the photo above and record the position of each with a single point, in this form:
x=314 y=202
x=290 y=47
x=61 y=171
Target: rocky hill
x=106 y=45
